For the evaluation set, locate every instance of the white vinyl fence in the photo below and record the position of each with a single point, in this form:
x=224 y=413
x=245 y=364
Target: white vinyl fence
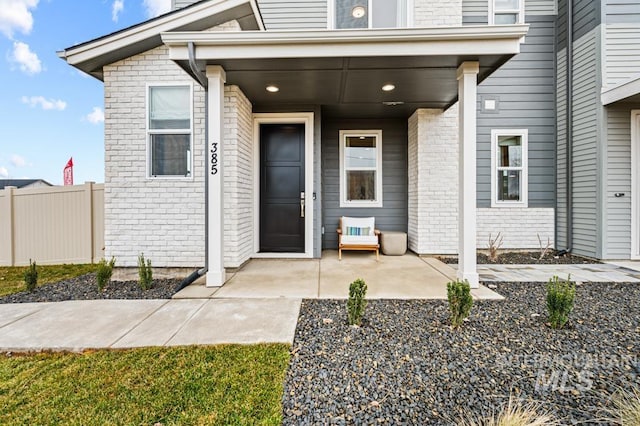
x=52 y=225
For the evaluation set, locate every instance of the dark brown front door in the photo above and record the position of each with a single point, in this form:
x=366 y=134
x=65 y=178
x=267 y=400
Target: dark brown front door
x=281 y=188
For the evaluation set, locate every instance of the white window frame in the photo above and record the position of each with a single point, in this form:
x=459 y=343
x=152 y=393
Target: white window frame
x=519 y=11
x=331 y=14
x=150 y=131
x=378 y=169
x=524 y=184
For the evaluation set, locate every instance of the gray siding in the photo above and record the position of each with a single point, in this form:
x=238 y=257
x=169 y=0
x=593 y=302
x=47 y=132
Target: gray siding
x=540 y=7
x=622 y=52
x=585 y=146
x=622 y=11
x=178 y=4
x=525 y=92
x=391 y=217
x=561 y=151
x=293 y=14
x=618 y=179
x=586 y=17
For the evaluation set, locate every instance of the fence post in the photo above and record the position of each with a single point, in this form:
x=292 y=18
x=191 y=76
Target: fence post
x=8 y=224
x=88 y=196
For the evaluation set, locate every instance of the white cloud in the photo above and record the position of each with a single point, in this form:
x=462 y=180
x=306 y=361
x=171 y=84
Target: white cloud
x=18 y=161
x=25 y=58
x=116 y=8
x=4 y=173
x=96 y=116
x=15 y=15
x=46 y=104
x=156 y=7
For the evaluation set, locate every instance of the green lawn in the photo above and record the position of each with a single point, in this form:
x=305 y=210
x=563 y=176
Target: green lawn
x=187 y=385
x=12 y=278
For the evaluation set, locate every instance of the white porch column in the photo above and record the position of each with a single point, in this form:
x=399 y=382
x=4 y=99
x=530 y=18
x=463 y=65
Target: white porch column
x=467 y=94
x=215 y=118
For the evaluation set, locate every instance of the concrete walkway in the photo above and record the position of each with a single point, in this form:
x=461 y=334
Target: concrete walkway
x=79 y=325
x=627 y=271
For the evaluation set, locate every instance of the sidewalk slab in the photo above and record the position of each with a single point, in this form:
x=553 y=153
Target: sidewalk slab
x=162 y=325
x=76 y=325
x=242 y=321
x=12 y=312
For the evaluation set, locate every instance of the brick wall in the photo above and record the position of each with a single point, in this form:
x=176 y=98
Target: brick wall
x=431 y=13
x=238 y=177
x=433 y=194
x=164 y=218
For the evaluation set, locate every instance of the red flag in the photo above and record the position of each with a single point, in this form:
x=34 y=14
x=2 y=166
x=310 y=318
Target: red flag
x=68 y=172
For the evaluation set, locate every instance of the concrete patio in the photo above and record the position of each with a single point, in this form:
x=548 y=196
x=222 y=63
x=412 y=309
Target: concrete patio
x=391 y=277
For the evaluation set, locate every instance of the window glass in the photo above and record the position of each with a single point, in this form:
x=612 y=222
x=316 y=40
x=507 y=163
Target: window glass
x=352 y=14
x=169 y=107
x=361 y=185
x=507 y=4
x=169 y=132
x=505 y=18
x=385 y=14
x=170 y=155
x=509 y=180
x=360 y=168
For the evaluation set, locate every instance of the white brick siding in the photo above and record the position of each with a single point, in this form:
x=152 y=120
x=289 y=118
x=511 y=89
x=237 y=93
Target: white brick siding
x=164 y=218
x=433 y=194
x=238 y=177
x=432 y=13
x=519 y=226
x=433 y=181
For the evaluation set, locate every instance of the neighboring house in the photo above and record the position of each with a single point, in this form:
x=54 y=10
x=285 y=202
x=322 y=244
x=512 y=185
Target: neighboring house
x=237 y=129
x=23 y=183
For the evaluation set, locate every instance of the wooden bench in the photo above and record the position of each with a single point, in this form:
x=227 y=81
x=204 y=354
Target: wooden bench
x=358 y=233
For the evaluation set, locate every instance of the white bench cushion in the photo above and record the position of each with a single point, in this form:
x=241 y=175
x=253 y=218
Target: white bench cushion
x=364 y=240
x=358 y=222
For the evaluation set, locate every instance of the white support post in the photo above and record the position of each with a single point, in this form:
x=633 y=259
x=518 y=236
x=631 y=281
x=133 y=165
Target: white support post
x=216 y=78
x=467 y=94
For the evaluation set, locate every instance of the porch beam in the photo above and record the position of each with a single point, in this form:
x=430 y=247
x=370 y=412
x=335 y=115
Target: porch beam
x=467 y=94
x=215 y=117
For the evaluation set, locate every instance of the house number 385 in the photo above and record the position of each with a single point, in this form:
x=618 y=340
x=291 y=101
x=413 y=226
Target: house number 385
x=214 y=158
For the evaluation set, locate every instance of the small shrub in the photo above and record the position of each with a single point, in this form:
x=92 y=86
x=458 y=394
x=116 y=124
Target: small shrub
x=356 y=302
x=514 y=414
x=31 y=276
x=103 y=274
x=145 y=273
x=460 y=301
x=494 y=246
x=560 y=297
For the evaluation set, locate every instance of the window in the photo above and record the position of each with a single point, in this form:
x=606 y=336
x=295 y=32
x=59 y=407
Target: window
x=350 y=14
x=169 y=130
x=503 y=12
x=361 y=168
x=509 y=178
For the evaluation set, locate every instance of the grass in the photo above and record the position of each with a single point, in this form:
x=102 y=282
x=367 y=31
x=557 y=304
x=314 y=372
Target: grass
x=12 y=277
x=627 y=407
x=187 y=385
x=515 y=413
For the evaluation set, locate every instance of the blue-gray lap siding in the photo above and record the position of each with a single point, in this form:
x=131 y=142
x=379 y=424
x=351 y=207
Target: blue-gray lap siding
x=393 y=215
x=524 y=89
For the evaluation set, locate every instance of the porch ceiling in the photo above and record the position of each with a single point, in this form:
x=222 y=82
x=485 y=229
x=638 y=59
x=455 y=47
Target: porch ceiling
x=344 y=71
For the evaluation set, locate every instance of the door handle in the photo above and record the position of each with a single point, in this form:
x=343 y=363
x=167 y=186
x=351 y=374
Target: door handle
x=302 y=204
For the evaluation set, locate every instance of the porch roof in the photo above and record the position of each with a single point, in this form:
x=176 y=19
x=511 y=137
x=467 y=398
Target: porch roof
x=629 y=91
x=344 y=70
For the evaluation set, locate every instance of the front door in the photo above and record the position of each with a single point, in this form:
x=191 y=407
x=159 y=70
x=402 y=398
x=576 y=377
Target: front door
x=282 y=186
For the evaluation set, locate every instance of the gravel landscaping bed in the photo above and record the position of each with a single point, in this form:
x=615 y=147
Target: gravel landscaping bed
x=526 y=258
x=405 y=365
x=85 y=288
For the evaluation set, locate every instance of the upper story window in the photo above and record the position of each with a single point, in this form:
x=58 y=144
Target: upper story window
x=169 y=130
x=361 y=168
x=504 y=12
x=509 y=175
x=351 y=14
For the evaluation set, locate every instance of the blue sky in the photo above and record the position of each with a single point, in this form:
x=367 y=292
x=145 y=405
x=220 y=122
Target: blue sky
x=49 y=111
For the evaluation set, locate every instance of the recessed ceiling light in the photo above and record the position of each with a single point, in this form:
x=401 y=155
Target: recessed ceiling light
x=388 y=87
x=393 y=103
x=358 y=12
x=273 y=89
